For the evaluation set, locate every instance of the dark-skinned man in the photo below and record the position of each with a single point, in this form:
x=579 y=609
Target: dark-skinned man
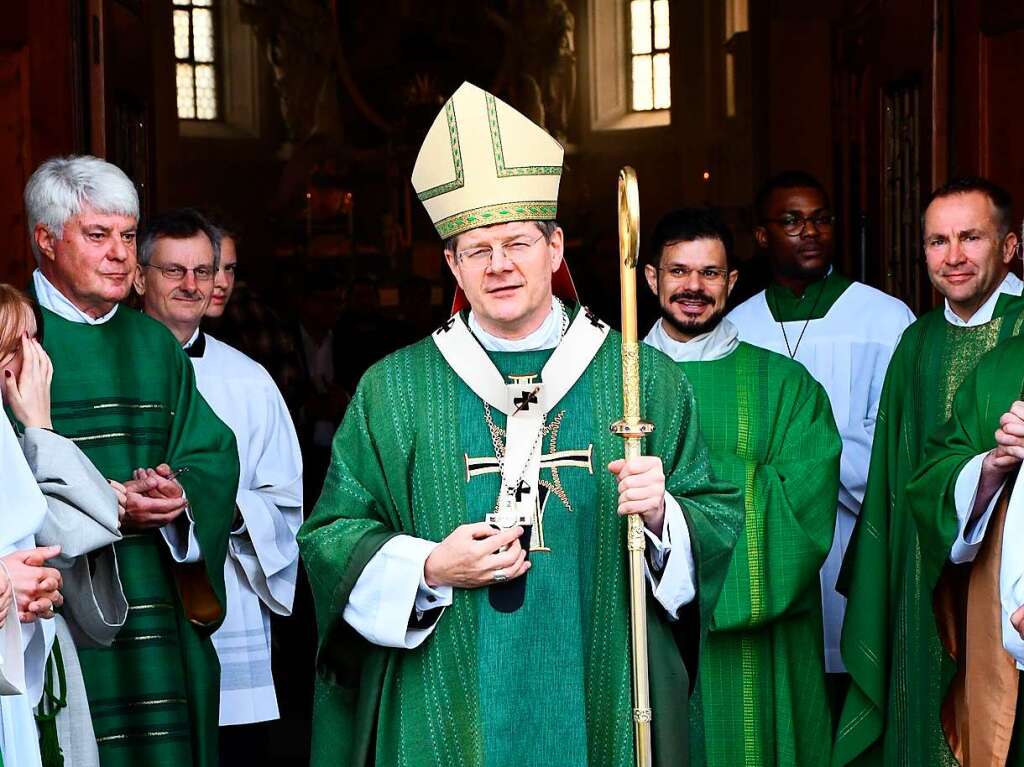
x=843 y=332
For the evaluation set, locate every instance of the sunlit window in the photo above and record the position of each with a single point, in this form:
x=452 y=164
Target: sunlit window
x=195 y=54
x=649 y=60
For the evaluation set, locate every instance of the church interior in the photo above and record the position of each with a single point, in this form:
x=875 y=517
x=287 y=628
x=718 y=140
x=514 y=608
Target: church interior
x=298 y=120
x=297 y=123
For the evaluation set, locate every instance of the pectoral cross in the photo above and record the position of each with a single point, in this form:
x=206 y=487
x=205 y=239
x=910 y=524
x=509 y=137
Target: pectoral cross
x=551 y=461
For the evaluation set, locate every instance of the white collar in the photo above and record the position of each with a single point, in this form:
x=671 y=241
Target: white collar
x=713 y=345
x=191 y=340
x=1011 y=285
x=466 y=356
x=547 y=336
x=50 y=298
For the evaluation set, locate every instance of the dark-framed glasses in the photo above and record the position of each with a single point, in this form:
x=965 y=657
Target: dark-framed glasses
x=515 y=249
x=710 y=275
x=794 y=225
x=177 y=272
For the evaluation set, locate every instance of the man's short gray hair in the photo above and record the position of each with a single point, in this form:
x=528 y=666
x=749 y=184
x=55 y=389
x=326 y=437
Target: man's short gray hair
x=61 y=186
x=547 y=228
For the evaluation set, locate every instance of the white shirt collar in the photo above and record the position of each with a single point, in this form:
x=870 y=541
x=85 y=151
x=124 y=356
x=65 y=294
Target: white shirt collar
x=50 y=298
x=547 y=336
x=713 y=345
x=1011 y=285
x=191 y=340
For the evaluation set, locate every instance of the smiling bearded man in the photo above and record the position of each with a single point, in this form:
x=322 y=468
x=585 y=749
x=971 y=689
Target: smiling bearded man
x=843 y=332
x=467 y=554
x=770 y=431
x=124 y=392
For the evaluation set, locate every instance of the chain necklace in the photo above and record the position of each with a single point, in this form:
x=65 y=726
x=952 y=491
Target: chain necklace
x=782 y=326
x=497 y=439
x=498 y=434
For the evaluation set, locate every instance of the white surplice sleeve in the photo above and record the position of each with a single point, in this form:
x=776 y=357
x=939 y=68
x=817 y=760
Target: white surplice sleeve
x=180 y=537
x=264 y=545
x=82 y=518
x=970 y=532
x=391 y=605
x=671 y=577
x=12 y=657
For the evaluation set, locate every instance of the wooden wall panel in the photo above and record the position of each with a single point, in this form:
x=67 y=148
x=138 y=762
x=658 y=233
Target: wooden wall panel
x=15 y=139
x=1002 y=151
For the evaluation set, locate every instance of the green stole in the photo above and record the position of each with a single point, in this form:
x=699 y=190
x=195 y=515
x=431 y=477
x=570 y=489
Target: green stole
x=899 y=670
x=125 y=393
x=817 y=298
x=760 y=696
x=554 y=678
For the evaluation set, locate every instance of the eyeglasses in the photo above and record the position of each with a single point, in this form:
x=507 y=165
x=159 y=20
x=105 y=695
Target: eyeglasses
x=709 y=274
x=794 y=225
x=176 y=273
x=514 y=250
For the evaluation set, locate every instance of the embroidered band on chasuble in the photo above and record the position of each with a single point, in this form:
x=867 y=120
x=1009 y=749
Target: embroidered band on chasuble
x=482 y=163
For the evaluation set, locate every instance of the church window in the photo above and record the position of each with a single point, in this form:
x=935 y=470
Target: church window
x=649 y=60
x=196 y=57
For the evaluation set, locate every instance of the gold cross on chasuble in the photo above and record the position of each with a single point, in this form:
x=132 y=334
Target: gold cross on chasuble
x=551 y=461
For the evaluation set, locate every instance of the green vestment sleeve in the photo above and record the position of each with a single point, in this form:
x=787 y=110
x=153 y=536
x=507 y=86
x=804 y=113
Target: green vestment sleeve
x=984 y=397
x=868 y=581
x=200 y=441
x=770 y=431
x=790 y=513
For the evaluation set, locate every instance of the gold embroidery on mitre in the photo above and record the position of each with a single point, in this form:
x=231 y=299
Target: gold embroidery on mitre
x=482 y=162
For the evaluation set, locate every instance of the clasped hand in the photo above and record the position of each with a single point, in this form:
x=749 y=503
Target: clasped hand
x=152 y=498
x=1009 y=450
x=35 y=587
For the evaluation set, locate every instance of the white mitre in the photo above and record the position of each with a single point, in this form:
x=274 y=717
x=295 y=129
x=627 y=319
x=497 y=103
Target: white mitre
x=484 y=163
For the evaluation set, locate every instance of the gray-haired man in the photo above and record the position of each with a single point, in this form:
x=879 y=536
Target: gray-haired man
x=124 y=391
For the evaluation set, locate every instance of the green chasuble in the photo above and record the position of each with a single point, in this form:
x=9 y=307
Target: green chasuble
x=125 y=393
x=985 y=395
x=550 y=682
x=899 y=670
x=815 y=302
x=760 y=697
